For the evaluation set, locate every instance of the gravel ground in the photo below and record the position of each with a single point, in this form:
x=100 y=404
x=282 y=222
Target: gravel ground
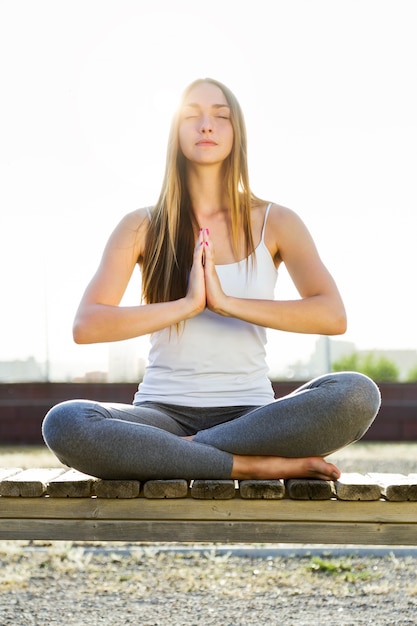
x=115 y=584
x=78 y=585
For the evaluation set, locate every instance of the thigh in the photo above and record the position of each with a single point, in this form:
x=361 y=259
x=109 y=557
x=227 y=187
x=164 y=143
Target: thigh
x=124 y=441
x=144 y=414
x=67 y=416
x=316 y=419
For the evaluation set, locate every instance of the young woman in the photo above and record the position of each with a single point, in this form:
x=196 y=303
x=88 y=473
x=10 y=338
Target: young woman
x=209 y=251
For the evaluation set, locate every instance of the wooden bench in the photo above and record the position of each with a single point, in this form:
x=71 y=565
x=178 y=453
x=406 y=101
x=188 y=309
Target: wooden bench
x=61 y=504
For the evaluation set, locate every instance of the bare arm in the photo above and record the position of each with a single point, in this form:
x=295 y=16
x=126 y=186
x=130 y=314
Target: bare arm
x=319 y=310
x=100 y=318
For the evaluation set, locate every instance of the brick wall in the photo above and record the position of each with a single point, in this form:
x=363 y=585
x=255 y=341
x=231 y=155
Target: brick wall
x=24 y=405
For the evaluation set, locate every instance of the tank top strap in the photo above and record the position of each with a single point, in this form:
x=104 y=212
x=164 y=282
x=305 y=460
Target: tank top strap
x=265 y=218
x=148 y=212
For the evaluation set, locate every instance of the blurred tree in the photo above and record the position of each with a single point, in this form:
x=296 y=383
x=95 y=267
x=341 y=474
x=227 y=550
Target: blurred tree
x=412 y=375
x=379 y=369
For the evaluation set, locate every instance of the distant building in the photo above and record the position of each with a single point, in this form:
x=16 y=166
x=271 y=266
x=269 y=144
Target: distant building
x=19 y=371
x=125 y=365
x=92 y=377
x=327 y=351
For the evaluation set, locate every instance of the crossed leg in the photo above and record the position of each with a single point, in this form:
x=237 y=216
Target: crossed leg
x=285 y=439
x=289 y=437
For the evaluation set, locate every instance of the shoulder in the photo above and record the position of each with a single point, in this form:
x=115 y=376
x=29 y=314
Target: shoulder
x=284 y=228
x=130 y=232
x=281 y=215
x=135 y=220
x=279 y=219
x=273 y=214
x=282 y=220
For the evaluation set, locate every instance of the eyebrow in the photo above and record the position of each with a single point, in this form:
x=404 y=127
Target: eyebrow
x=195 y=105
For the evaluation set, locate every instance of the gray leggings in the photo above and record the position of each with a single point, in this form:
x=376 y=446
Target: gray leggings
x=144 y=441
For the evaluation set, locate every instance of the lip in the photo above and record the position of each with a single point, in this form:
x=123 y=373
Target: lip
x=206 y=142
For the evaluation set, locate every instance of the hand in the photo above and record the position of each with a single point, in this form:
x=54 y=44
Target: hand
x=215 y=296
x=196 y=294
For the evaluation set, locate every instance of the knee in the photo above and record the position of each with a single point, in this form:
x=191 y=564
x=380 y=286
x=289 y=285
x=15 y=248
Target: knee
x=363 y=400
x=365 y=394
x=59 y=424
x=353 y=392
x=54 y=424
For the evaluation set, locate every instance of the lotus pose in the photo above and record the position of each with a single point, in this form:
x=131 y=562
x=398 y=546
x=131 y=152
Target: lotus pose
x=209 y=251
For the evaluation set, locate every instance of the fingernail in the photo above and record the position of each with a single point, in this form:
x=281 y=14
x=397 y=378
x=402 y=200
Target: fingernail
x=207 y=231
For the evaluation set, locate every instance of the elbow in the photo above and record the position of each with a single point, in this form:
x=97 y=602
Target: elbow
x=340 y=328
x=80 y=332
x=338 y=324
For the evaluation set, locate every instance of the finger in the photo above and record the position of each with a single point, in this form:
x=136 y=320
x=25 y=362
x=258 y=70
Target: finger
x=198 y=250
x=201 y=245
x=208 y=245
x=200 y=239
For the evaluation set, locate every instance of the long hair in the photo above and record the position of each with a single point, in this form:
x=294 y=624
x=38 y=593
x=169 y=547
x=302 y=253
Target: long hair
x=172 y=231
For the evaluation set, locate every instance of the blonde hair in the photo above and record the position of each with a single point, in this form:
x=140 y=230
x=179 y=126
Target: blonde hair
x=172 y=231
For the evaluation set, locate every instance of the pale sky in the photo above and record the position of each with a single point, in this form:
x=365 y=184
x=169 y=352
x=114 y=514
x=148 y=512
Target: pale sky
x=88 y=88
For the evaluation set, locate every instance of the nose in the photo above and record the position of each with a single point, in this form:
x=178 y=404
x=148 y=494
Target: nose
x=206 y=124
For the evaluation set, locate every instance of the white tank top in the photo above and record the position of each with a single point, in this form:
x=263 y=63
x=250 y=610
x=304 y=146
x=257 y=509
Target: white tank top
x=216 y=361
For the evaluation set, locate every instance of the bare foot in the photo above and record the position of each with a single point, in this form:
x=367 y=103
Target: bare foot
x=275 y=467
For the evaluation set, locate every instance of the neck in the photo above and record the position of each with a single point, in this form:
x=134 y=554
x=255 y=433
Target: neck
x=206 y=189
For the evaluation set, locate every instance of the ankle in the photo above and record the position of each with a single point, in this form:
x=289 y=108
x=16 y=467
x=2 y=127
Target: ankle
x=245 y=467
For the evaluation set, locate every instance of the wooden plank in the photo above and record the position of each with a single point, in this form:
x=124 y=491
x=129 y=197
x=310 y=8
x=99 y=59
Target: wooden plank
x=223 y=531
x=71 y=484
x=357 y=487
x=396 y=487
x=175 y=488
x=5 y=472
x=262 y=489
x=309 y=489
x=119 y=514
x=213 y=489
x=188 y=509
x=116 y=488
x=30 y=483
